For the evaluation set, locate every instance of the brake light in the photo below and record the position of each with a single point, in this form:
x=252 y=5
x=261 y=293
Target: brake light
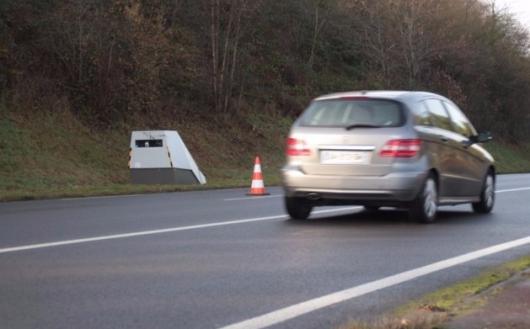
x=297 y=147
x=401 y=148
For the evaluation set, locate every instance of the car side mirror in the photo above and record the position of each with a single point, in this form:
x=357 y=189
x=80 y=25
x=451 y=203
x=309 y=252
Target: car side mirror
x=482 y=137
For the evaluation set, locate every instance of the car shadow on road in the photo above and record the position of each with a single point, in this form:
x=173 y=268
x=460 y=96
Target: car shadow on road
x=389 y=217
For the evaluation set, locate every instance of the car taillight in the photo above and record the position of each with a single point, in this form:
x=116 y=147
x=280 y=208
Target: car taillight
x=296 y=147
x=401 y=148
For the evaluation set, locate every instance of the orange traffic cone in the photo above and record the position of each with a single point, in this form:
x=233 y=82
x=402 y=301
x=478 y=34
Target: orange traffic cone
x=258 y=187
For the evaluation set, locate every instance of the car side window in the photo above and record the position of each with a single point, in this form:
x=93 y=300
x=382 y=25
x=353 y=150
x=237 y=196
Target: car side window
x=439 y=115
x=460 y=122
x=423 y=116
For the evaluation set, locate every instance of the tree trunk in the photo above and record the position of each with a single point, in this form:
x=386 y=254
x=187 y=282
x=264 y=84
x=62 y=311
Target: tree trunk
x=225 y=57
x=233 y=65
x=214 y=34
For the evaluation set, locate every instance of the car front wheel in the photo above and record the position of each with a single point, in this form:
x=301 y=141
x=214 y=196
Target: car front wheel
x=298 y=208
x=487 y=196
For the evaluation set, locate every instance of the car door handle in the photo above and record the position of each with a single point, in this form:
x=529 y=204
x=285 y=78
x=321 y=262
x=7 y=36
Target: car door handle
x=444 y=139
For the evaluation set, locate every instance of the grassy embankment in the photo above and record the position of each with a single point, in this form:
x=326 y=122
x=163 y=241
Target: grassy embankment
x=47 y=155
x=437 y=308
x=54 y=155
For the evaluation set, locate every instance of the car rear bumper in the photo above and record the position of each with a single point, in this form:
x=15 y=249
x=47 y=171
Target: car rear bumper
x=389 y=189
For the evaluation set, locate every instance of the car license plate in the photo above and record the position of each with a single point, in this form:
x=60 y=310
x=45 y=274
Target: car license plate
x=345 y=157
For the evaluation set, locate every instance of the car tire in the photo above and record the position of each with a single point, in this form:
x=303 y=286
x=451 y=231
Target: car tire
x=487 y=195
x=424 y=207
x=371 y=208
x=298 y=208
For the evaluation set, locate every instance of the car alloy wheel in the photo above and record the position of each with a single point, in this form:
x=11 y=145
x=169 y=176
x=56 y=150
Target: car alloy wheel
x=424 y=208
x=430 y=198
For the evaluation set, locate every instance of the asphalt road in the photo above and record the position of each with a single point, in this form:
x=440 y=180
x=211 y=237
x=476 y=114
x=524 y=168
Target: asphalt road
x=215 y=258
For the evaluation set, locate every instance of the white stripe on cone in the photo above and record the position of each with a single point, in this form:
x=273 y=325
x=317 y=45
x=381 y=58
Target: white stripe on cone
x=257 y=184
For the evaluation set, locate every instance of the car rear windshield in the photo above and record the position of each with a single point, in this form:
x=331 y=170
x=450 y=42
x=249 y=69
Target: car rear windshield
x=352 y=112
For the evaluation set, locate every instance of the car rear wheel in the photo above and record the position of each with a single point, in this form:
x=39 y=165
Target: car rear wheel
x=425 y=206
x=298 y=208
x=487 y=196
x=371 y=208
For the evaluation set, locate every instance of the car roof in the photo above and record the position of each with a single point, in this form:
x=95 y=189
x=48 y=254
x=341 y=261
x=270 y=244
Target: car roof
x=402 y=95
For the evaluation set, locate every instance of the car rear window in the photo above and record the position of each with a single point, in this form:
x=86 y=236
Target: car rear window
x=348 y=112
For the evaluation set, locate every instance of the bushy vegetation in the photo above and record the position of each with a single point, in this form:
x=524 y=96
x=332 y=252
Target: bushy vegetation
x=231 y=74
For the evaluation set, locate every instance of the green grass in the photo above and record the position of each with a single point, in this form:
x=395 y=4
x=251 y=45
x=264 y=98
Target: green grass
x=435 y=309
x=510 y=158
x=454 y=299
x=48 y=155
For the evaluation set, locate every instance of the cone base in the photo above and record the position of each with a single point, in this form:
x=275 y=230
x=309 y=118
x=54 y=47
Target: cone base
x=257 y=194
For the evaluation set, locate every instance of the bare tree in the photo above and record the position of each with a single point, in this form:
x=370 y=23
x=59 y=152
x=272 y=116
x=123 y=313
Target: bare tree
x=226 y=20
x=375 y=39
x=319 y=21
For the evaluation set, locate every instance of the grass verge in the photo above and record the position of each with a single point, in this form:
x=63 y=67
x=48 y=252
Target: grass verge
x=433 y=310
x=50 y=155
x=53 y=154
x=510 y=158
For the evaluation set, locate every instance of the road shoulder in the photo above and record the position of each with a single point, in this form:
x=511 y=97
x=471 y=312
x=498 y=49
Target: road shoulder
x=507 y=305
x=497 y=298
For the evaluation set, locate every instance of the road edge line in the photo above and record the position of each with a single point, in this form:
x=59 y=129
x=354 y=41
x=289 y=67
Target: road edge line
x=161 y=231
x=296 y=310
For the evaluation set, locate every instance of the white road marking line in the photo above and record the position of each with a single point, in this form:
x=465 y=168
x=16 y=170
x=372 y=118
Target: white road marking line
x=296 y=310
x=513 y=190
x=99 y=197
x=161 y=231
x=255 y=197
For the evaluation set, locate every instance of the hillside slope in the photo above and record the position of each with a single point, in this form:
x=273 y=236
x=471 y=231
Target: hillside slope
x=77 y=76
x=53 y=155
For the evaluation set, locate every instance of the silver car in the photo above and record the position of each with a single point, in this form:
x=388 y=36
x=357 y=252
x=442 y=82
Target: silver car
x=413 y=150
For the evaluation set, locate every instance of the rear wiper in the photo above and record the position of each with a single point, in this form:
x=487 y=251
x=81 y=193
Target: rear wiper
x=361 y=125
